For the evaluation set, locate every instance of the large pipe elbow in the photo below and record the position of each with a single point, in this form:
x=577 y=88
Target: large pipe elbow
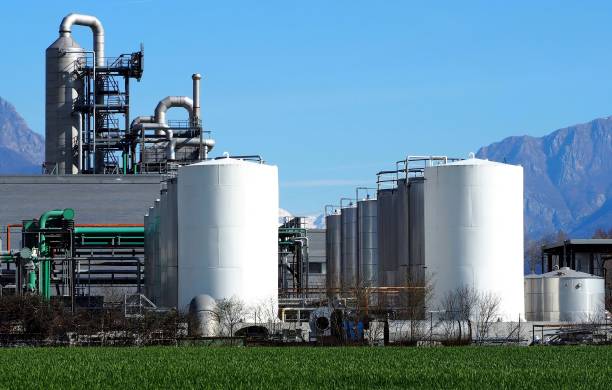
x=88 y=21
x=172 y=101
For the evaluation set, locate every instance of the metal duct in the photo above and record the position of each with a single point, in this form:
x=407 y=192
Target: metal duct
x=142 y=119
x=88 y=21
x=172 y=101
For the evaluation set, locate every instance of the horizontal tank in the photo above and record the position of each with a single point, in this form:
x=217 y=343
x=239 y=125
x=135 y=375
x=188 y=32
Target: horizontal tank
x=564 y=295
x=333 y=232
x=228 y=231
x=474 y=231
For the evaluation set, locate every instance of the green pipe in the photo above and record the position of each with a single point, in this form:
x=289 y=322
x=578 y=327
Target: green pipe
x=114 y=230
x=53 y=214
x=45 y=279
x=31 y=281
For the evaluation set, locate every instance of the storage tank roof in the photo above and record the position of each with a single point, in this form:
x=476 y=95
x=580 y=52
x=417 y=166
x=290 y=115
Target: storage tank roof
x=476 y=161
x=566 y=272
x=224 y=161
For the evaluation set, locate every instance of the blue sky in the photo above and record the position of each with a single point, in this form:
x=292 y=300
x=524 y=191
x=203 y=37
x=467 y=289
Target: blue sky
x=334 y=91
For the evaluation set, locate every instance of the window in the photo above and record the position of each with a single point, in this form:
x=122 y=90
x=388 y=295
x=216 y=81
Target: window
x=315 y=268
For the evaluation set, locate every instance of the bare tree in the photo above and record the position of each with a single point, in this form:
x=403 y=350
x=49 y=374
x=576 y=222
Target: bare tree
x=533 y=253
x=459 y=305
x=414 y=299
x=229 y=313
x=602 y=233
x=487 y=312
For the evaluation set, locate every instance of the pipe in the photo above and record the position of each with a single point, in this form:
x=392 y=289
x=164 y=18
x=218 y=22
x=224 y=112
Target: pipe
x=109 y=225
x=172 y=101
x=331 y=206
x=203 y=150
x=45 y=279
x=142 y=119
x=52 y=214
x=196 y=98
x=367 y=192
x=8 y=234
x=173 y=142
x=92 y=22
x=112 y=230
x=80 y=143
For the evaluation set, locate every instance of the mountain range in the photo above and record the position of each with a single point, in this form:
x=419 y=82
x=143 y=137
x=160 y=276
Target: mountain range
x=568 y=177
x=21 y=149
x=568 y=173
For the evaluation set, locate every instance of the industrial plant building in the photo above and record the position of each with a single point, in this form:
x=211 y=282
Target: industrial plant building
x=138 y=204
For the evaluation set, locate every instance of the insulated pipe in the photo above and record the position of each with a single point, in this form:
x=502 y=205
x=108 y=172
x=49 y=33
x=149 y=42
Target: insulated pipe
x=172 y=101
x=142 y=119
x=91 y=22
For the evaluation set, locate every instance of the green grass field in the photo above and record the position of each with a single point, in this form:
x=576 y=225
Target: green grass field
x=193 y=367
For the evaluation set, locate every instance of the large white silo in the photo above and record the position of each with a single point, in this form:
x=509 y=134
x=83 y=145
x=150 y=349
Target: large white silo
x=474 y=231
x=228 y=231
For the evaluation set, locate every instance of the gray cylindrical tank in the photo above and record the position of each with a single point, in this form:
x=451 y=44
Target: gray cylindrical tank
x=350 y=250
x=147 y=246
x=416 y=231
x=333 y=247
x=367 y=230
x=62 y=88
x=387 y=247
x=156 y=254
x=533 y=298
x=172 y=238
x=564 y=295
x=163 y=246
x=402 y=232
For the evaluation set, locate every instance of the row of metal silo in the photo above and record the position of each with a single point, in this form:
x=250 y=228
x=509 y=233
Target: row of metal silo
x=161 y=247
x=401 y=227
x=445 y=224
x=377 y=242
x=351 y=246
x=565 y=295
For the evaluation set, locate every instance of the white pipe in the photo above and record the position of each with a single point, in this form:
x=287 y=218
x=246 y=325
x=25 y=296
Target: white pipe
x=91 y=22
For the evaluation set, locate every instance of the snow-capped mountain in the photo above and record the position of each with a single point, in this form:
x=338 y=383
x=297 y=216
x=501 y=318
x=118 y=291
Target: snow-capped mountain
x=312 y=221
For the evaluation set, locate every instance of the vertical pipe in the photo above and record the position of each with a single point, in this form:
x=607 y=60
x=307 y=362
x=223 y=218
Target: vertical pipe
x=202 y=154
x=196 y=97
x=80 y=137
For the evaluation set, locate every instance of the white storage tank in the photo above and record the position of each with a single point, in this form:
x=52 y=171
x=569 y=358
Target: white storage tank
x=474 y=231
x=565 y=295
x=228 y=231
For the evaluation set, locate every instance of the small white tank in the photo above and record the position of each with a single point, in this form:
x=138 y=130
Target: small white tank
x=228 y=231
